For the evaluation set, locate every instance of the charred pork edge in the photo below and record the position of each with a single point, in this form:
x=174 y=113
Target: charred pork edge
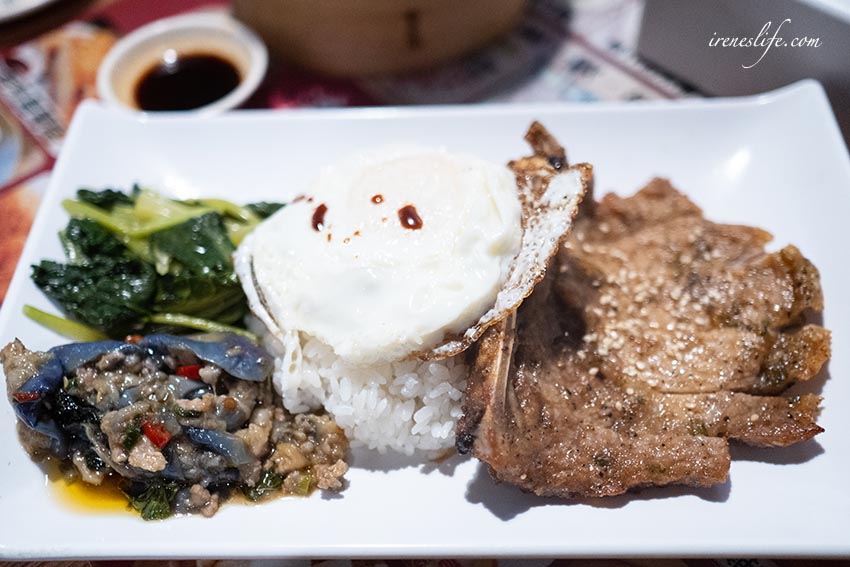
x=498 y=341
x=546 y=145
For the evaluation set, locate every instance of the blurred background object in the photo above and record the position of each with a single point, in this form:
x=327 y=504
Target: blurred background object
x=19 y=206
x=76 y=52
x=207 y=62
x=345 y=38
x=12 y=9
x=41 y=18
x=10 y=148
x=675 y=36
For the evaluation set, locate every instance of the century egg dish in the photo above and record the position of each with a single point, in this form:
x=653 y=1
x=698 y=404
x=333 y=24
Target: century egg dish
x=178 y=424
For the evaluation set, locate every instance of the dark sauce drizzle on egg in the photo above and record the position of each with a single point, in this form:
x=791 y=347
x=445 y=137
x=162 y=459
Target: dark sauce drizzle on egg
x=409 y=218
x=319 y=217
x=407 y=215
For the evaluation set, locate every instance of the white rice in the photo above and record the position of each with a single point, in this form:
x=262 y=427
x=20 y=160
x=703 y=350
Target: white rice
x=406 y=406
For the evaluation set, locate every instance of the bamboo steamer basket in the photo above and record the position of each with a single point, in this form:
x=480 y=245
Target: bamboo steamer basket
x=350 y=38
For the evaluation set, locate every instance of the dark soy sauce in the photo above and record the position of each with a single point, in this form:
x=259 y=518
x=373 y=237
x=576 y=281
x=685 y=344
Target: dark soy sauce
x=409 y=218
x=319 y=218
x=188 y=82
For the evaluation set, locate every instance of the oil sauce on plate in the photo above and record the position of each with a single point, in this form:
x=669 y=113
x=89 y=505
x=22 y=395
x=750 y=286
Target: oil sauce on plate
x=81 y=496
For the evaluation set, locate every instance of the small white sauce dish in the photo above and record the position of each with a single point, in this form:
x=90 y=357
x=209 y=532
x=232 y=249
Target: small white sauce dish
x=206 y=33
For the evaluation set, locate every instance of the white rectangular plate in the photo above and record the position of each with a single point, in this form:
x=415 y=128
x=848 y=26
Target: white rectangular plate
x=775 y=161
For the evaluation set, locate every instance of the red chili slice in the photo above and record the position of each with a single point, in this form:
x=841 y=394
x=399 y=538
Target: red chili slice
x=133 y=338
x=26 y=396
x=192 y=371
x=156 y=433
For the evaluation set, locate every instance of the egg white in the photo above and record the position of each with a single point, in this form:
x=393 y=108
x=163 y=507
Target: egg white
x=361 y=281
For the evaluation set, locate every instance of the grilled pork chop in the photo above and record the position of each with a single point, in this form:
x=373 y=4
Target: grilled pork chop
x=655 y=338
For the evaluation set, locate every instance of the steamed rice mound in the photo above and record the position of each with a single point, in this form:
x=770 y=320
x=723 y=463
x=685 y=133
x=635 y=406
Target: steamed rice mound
x=405 y=406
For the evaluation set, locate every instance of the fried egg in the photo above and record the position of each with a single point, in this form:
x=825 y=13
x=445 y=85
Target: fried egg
x=387 y=254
